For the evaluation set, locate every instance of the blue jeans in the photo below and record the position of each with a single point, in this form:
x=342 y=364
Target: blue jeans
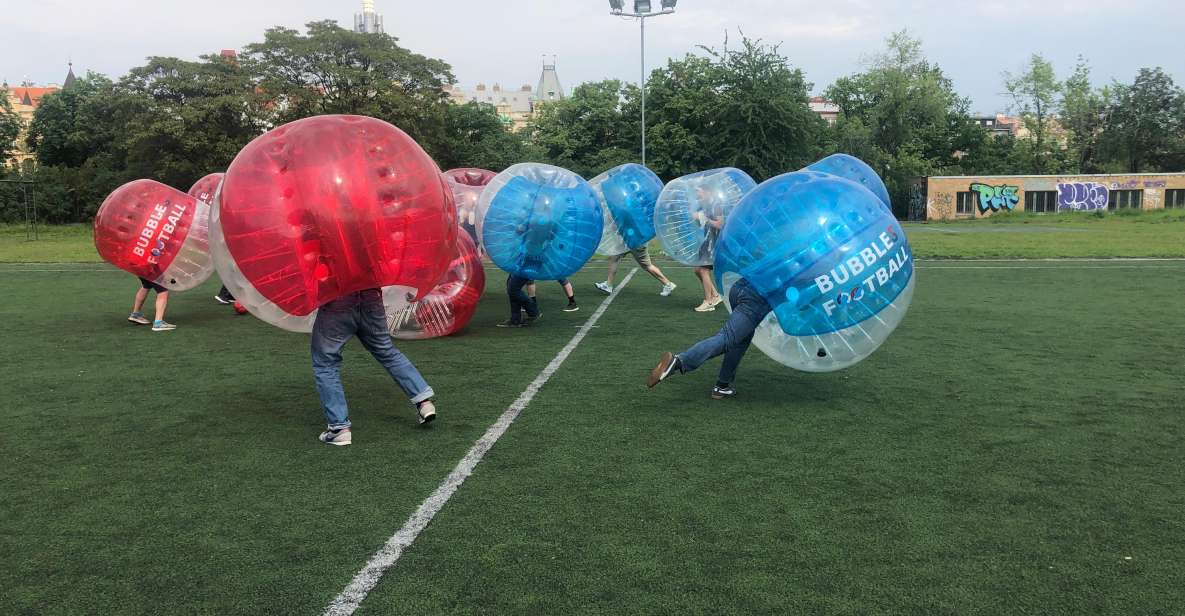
x=749 y=308
x=358 y=314
x=519 y=300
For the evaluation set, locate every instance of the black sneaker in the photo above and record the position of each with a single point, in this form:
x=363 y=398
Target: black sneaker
x=223 y=300
x=572 y=307
x=509 y=323
x=720 y=393
x=530 y=320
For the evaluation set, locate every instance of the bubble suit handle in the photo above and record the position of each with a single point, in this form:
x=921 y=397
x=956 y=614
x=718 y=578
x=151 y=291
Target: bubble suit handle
x=539 y=221
x=688 y=204
x=832 y=262
x=155 y=232
x=628 y=194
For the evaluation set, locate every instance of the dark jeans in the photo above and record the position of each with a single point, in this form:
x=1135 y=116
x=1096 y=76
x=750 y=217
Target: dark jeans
x=519 y=300
x=358 y=314
x=749 y=308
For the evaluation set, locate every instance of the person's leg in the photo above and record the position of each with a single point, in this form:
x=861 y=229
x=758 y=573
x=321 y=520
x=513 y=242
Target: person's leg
x=705 y=277
x=530 y=288
x=162 y=302
x=372 y=332
x=750 y=309
x=642 y=256
x=571 y=293
x=519 y=301
x=138 y=303
x=331 y=330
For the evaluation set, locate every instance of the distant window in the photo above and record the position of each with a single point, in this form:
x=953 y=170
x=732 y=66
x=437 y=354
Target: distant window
x=1174 y=198
x=1041 y=201
x=1125 y=200
x=989 y=122
x=965 y=204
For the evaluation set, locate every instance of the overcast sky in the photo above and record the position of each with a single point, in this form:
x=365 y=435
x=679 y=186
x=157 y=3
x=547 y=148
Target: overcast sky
x=504 y=40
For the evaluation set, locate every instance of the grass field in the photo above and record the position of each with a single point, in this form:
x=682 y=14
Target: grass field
x=1139 y=234
x=1016 y=447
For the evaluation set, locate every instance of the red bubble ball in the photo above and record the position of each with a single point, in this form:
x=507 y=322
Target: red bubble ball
x=205 y=188
x=450 y=306
x=155 y=232
x=328 y=205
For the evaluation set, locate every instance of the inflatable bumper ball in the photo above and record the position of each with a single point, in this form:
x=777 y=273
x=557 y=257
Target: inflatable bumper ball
x=156 y=232
x=688 y=204
x=206 y=188
x=539 y=222
x=467 y=184
x=851 y=168
x=448 y=307
x=627 y=193
x=326 y=206
x=831 y=260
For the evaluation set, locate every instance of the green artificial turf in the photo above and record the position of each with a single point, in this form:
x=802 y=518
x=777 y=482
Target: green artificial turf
x=1137 y=234
x=1016 y=447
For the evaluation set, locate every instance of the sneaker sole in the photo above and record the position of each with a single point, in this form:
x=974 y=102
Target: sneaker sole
x=426 y=419
x=137 y=322
x=335 y=443
x=572 y=309
x=656 y=373
x=163 y=329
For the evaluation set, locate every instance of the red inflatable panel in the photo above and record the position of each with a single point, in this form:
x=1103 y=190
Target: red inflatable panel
x=450 y=306
x=141 y=227
x=205 y=188
x=329 y=205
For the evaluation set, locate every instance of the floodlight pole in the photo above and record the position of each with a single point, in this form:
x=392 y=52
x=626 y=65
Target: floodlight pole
x=641 y=17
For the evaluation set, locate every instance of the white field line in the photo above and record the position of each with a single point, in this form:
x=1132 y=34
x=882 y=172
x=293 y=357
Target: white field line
x=366 y=579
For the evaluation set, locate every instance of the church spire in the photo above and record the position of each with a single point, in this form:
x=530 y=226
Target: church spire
x=70 y=79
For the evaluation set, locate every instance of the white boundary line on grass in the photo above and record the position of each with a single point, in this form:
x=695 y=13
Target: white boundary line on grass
x=365 y=580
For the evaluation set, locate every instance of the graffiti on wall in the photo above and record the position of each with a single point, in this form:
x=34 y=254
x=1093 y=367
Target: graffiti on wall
x=1082 y=196
x=995 y=198
x=1154 y=184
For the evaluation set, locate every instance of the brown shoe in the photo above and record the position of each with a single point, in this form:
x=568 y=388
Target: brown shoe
x=664 y=368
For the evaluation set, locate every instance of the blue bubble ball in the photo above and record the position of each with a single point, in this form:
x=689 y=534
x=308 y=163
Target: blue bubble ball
x=628 y=193
x=539 y=221
x=851 y=168
x=831 y=260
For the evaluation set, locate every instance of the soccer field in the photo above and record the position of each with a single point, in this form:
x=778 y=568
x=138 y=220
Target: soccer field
x=1017 y=446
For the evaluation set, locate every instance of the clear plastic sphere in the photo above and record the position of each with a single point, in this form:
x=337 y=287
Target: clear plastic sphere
x=830 y=259
x=627 y=193
x=851 y=168
x=448 y=307
x=156 y=232
x=539 y=221
x=467 y=184
x=328 y=205
x=688 y=207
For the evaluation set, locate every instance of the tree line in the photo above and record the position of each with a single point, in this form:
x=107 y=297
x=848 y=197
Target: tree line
x=743 y=106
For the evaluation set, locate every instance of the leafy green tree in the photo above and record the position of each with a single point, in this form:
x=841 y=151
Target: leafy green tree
x=744 y=107
x=334 y=70
x=191 y=118
x=10 y=127
x=903 y=116
x=1145 y=125
x=1034 y=95
x=74 y=125
x=591 y=130
x=474 y=136
x=1082 y=109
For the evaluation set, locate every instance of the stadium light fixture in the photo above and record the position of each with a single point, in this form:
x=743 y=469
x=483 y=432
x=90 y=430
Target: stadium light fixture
x=642 y=10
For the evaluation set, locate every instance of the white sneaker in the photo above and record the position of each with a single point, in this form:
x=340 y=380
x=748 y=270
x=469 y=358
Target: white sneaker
x=425 y=412
x=340 y=437
x=667 y=288
x=605 y=286
x=706 y=306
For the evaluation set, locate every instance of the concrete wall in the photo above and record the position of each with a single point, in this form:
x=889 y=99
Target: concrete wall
x=1074 y=192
